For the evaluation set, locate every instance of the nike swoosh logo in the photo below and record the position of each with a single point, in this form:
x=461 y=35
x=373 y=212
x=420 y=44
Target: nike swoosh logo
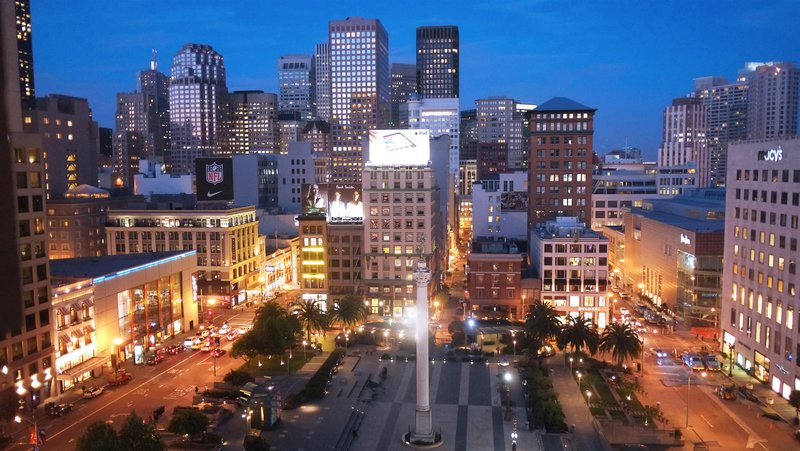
x=210 y=194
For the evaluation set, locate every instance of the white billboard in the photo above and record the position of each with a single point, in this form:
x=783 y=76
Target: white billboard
x=399 y=147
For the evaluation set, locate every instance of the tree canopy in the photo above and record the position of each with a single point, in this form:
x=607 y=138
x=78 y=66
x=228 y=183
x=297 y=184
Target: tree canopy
x=189 y=422
x=542 y=325
x=579 y=333
x=350 y=311
x=134 y=435
x=622 y=341
x=274 y=331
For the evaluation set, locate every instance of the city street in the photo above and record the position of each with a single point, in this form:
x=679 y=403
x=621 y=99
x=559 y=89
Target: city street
x=171 y=383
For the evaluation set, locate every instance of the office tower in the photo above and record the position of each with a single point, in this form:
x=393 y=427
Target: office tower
x=468 y=135
x=322 y=69
x=560 y=169
x=404 y=83
x=437 y=62
x=759 y=280
x=70 y=141
x=197 y=88
x=25 y=53
x=297 y=84
x=155 y=83
x=499 y=122
x=290 y=128
x=249 y=121
x=359 y=90
x=726 y=112
x=318 y=133
x=772 y=100
x=142 y=124
x=684 y=138
x=522 y=117
x=492 y=159
x=441 y=116
x=26 y=337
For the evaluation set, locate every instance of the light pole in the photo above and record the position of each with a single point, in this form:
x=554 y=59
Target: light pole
x=688 y=388
x=35 y=385
x=580 y=385
x=732 y=350
x=386 y=338
x=304 y=350
x=515 y=347
x=570 y=363
x=589 y=402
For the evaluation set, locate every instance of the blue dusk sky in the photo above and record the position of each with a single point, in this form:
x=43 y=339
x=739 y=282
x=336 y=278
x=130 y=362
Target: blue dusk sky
x=628 y=59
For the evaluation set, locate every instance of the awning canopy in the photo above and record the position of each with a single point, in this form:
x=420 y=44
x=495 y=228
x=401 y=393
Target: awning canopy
x=83 y=367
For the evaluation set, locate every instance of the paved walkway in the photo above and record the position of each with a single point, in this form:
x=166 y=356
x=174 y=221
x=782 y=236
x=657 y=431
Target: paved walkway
x=576 y=411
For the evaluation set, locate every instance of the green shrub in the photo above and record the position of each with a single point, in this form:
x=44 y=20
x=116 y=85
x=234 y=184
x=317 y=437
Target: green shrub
x=238 y=378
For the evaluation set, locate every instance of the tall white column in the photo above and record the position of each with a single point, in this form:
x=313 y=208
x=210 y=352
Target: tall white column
x=423 y=425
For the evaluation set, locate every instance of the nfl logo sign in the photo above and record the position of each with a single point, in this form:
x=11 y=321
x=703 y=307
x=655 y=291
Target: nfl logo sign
x=214 y=173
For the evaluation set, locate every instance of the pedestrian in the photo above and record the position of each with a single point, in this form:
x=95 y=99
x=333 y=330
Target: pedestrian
x=355 y=433
x=196 y=389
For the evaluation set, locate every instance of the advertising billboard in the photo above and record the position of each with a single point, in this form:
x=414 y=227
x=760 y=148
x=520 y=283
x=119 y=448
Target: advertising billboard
x=214 y=177
x=399 y=147
x=514 y=201
x=338 y=202
x=344 y=202
x=315 y=199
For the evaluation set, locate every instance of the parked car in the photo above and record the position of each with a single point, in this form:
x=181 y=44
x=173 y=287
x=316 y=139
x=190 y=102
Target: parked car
x=57 y=410
x=188 y=342
x=712 y=362
x=694 y=361
x=92 y=392
x=119 y=377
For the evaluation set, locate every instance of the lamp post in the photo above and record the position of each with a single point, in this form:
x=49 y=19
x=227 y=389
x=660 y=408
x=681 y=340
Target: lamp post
x=35 y=385
x=580 y=385
x=304 y=350
x=731 y=352
x=515 y=347
x=589 y=402
x=688 y=388
x=386 y=338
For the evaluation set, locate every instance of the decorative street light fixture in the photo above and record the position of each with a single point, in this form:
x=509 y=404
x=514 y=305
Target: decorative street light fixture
x=688 y=394
x=731 y=352
x=304 y=350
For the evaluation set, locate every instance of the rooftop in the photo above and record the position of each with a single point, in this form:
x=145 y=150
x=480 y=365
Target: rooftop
x=110 y=265
x=563 y=104
x=492 y=245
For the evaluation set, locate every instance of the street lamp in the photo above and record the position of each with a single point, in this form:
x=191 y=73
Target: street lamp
x=304 y=350
x=515 y=347
x=688 y=388
x=731 y=351
x=386 y=338
x=570 y=363
x=35 y=385
x=580 y=385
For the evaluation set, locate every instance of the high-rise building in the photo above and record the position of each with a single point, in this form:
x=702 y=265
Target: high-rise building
x=249 y=122
x=360 y=90
x=437 y=62
x=441 y=116
x=142 y=124
x=560 y=169
x=726 y=112
x=318 y=133
x=70 y=141
x=322 y=69
x=760 y=280
x=404 y=84
x=290 y=128
x=684 y=138
x=26 y=336
x=499 y=122
x=197 y=88
x=468 y=135
x=297 y=84
x=155 y=83
x=25 y=53
x=772 y=100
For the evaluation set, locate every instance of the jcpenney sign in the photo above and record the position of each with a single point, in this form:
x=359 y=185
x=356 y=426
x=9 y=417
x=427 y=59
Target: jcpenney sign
x=771 y=154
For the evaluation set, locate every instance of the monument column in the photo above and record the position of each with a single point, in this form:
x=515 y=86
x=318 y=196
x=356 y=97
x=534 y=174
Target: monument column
x=423 y=425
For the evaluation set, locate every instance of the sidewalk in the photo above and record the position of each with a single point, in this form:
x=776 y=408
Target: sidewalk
x=763 y=392
x=585 y=437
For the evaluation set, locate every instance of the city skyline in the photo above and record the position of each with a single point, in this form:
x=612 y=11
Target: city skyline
x=551 y=49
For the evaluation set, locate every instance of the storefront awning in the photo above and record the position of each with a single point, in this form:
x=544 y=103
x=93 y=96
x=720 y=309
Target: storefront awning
x=83 y=367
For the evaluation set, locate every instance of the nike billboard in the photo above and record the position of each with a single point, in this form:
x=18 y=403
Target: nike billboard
x=214 y=179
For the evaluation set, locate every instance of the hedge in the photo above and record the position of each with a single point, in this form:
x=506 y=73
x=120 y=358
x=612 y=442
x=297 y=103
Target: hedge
x=315 y=387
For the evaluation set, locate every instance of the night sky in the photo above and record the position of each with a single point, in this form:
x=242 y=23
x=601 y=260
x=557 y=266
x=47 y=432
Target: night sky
x=628 y=59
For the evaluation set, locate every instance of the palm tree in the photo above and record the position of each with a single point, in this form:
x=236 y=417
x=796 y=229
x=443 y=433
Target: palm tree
x=579 y=333
x=310 y=314
x=271 y=310
x=622 y=341
x=349 y=311
x=542 y=325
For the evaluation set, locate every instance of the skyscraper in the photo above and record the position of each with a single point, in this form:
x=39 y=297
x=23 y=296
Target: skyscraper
x=197 y=88
x=296 y=80
x=142 y=124
x=726 y=112
x=359 y=50
x=498 y=122
x=468 y=135
x=560 y=170
x=437 y=61
x=404 y=83
x=155 y=83
x=25 y=54
x=26 y=340
x=249 y=123
x=322 y=67
x=684 y=138
x=772 y=100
